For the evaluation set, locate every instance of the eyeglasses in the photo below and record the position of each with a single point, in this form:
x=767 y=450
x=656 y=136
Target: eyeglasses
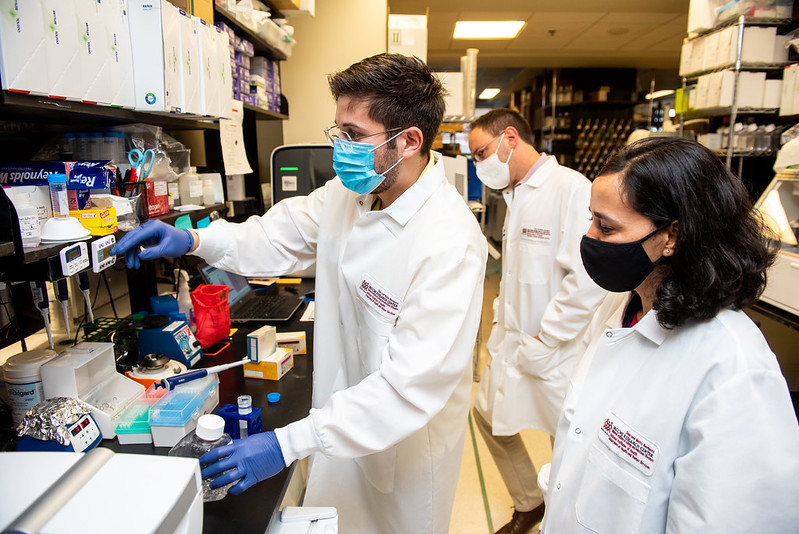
x=333 y=133
x=479 y=154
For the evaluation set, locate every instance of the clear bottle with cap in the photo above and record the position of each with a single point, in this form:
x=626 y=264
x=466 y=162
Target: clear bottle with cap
x=209 y=434
x=245 y=407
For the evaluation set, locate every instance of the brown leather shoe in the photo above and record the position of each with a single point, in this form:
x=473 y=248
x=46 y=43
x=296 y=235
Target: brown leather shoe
x=522 y=522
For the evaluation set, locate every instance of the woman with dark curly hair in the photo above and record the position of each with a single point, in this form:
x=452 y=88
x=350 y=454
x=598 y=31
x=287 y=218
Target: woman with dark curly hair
x=678 y=418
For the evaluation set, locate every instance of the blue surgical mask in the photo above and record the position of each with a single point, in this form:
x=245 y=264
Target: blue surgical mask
x=355 y=165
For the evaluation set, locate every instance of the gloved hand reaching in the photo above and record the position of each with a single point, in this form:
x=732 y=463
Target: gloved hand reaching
x=247 y=460
x=160 y=239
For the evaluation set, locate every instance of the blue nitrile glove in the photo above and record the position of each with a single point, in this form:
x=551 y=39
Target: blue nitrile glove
x=161 y=240
x=252 y=459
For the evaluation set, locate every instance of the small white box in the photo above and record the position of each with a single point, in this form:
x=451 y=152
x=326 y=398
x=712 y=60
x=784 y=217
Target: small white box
x=711 y=51
x=148 y=54
x=772 y=94
x=225 y=79
x=88 y=372
x=711 y=141
x=93 y=54
x=190 y=63
x=192 y=66
x=702 y=90
x=209 y=64
x=685 y=57
x=261 y=343
x=292 y=340
x=273 y=367
x=698 y=55
x=758 y=45
x=24 y=46
x=64 y=52
x=751 y=87
x=727 y=44
x=788 y=89
x=173 y=56
x=116 y=76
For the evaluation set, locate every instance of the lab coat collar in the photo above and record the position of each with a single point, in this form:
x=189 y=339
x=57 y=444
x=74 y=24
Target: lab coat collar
x=402 y=209
x=535 y=177
x=648 y=326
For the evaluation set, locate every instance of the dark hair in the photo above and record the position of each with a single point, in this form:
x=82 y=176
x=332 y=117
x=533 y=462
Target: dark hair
x=400 y=90
x=496 y=120
x=723 y=247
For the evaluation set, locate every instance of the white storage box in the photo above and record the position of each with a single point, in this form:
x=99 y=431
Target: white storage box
x=175 y=414
x=87 y=372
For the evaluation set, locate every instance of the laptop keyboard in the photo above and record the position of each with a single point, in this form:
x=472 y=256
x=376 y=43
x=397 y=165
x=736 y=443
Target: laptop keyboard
x=260 y=307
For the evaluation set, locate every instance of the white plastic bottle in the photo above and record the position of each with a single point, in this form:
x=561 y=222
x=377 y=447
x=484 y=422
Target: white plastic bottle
x=191 y=187
x=208 y=192
x=28 y=222
x=185 y=305
x=209 y=434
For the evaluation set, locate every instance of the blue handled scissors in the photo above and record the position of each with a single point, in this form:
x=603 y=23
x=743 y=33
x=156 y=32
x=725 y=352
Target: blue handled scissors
x=139 y=159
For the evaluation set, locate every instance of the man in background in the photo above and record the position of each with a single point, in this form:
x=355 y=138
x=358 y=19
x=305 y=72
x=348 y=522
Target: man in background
x=545 y=302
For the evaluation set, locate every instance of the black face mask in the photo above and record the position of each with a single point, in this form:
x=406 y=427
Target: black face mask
x=617 y=267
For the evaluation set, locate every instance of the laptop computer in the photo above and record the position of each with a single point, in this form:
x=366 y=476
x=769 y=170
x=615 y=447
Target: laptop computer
x=268 y=305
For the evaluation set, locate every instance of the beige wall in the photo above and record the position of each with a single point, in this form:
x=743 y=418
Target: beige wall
x=341 y=33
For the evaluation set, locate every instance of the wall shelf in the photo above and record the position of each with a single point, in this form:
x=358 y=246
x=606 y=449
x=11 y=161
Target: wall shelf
x=265 y=114
x=259 y=44
x=32 y=108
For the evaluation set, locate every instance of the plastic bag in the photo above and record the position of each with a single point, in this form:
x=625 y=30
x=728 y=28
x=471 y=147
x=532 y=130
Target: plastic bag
x=211 y=313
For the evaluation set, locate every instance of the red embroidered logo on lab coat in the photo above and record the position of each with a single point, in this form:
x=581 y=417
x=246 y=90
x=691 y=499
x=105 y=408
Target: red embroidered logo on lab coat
x=628 y=444
x=378 y=298
x=537 y=234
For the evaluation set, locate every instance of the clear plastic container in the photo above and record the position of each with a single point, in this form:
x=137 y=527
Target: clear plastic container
x=58 y=194
x=191 y=187
x=208 y=192
x=209 y=434
x=82 y=146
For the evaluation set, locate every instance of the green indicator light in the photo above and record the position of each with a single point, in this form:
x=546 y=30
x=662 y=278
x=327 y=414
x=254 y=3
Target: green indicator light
x=289 y=168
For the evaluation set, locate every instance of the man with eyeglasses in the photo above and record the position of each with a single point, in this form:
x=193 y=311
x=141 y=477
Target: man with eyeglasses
x=546 y=300
x=400 y=262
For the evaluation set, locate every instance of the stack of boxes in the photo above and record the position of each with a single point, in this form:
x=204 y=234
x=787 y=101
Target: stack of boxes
x=265 y=83
x=761 y=46
x=256 y=79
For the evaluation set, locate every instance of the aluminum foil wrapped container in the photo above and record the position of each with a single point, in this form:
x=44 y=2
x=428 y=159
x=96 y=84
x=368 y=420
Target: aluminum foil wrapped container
x=48 y=420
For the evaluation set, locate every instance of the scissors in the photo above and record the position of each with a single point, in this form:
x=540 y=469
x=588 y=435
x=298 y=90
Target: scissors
x=139 y=159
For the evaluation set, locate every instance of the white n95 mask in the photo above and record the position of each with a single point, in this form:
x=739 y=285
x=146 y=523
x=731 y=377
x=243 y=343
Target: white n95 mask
x=494 y=173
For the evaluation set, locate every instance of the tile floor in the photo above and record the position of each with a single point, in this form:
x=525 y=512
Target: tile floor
x=482 y=504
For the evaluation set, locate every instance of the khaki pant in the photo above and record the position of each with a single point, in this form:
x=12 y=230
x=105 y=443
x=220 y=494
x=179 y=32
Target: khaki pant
x=514 y=464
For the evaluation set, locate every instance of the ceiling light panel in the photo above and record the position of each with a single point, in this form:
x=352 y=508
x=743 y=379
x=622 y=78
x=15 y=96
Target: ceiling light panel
x=487 y=29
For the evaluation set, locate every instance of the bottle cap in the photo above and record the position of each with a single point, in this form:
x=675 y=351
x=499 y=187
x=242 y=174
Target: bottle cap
x=57 y=178
x=273 y=398
x=210 y=427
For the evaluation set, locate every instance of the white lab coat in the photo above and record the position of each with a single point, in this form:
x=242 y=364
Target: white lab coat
x=544 y=291
x=398 y=299
x=678 y=431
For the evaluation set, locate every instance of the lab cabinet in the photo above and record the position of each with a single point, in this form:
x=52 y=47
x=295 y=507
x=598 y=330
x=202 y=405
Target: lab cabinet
x=779 y=205
x=777 y=312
